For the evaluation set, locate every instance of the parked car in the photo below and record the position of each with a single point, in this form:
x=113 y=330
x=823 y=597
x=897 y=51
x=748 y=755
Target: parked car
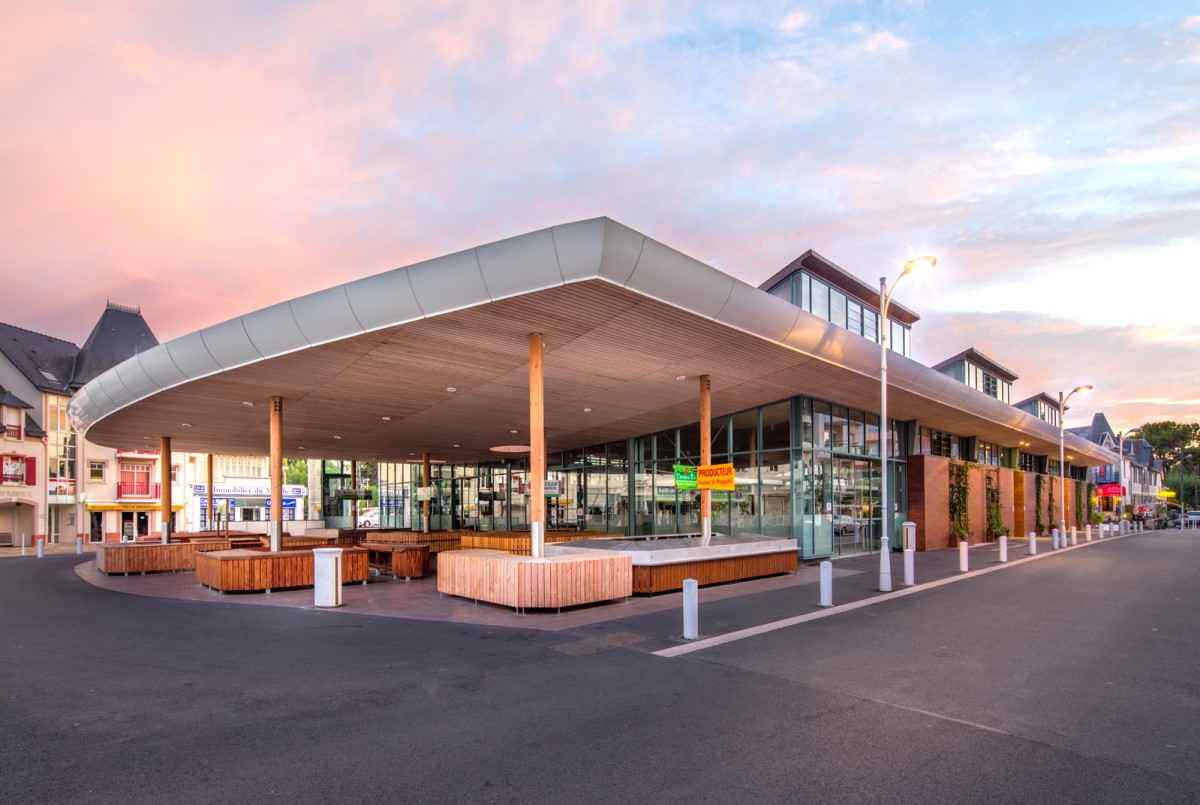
x=368 y=518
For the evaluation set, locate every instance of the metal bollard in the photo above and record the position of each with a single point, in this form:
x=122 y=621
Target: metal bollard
x=1074 y=535
x=79 y=546
x=963 y=556
x=885 y=565
x=826 y=584
x=910 y=567
x=41 y=547
x=1031 y=549
x=691 y=609
x=1004 y=547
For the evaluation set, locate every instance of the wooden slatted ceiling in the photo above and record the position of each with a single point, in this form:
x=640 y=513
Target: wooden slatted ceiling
x=607 y=348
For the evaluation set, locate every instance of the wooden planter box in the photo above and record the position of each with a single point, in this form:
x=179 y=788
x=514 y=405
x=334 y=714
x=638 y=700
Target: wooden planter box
x=525 y=583
x=651 y=579
x=254 y=571
x=517 y=542
x=406 y=560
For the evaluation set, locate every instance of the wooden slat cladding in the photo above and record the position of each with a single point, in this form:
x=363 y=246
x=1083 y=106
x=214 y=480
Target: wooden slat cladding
x=401 y=559
x=152 y=557
x=525 y=583
x=652 y=579
x=254 y=571
x=517 y=542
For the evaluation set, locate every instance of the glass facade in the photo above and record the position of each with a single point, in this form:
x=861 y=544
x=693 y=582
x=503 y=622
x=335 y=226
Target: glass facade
x=834 y=305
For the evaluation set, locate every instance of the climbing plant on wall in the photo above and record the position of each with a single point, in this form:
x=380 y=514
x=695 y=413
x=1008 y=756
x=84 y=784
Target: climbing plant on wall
x=1039 y=517
x=1080 y=505
x=1050 y=503
x=959 y=525
x=995 y=521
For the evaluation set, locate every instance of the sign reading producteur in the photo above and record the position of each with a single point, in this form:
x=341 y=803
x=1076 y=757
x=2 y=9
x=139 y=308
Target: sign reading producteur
x=715 y=476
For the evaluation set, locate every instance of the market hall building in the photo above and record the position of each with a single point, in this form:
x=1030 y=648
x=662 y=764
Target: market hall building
x=603 y=349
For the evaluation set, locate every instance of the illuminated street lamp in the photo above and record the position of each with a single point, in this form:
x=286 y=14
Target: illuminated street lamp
x=913 y=265
x=1121 y=471
x=1062 y=458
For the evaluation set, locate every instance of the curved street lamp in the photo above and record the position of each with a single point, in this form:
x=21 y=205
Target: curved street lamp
x=1121 y=471
x=911 y=266
x=1062 y=459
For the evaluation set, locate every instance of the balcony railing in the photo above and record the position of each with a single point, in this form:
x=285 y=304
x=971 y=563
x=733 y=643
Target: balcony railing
x=137 y=489
x=12 y=431
x=12 y=478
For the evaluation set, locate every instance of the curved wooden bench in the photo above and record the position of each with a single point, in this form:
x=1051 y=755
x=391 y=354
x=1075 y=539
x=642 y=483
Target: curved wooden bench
x=242 y=570
x=525 y=583
x=132 y=557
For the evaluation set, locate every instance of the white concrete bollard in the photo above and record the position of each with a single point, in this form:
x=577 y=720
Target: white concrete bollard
x=1074 y=535
x=1054 y=539
x=826 y=584
x=79 y=546
x=1031 y=549
x=963 y=556
x=41 y=548
x=691 y=609
x=910 y=567
x=1004 y=547
x=165 y=532
x=1087 y=533
x=885 y=565
x=22 y=545
x=327 y=577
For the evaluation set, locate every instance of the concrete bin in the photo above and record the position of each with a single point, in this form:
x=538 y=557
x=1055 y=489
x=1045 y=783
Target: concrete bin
x=327 y=577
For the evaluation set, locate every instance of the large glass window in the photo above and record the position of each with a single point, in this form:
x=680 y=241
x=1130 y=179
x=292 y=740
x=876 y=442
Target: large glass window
x=745 y=431
x=870 y=325
x=837 y=307
x=777 y=426
x=776 y=479
x=806 y=292
x=821 y=425
x=854 y=317
x=745 y=505
x=839 y=430
x=820 y=299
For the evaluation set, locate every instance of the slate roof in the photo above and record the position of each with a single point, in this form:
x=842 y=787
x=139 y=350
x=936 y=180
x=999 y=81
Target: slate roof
x=12 y=400
x=33 y=429
x=47 y=362
x=120 y=333
x=59 y=366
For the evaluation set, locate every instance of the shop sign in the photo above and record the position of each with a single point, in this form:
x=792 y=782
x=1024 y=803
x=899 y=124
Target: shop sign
x=685 y=476
x=1110 y=490
x=553 y=487
x=1167 y=494
x=715 y=476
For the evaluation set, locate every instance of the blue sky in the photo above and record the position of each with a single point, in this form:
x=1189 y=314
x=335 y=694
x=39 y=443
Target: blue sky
x=205 y=161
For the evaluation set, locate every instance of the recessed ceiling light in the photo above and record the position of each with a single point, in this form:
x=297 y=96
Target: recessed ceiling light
x=247 y=403
x=302 y=447
x=680 y=377
x=336 y=436
x=456 y=444
x=412 y=454
x=185 y=424
x=451 y=389
x=386 y=418
x=587 y=410
x=513 y=431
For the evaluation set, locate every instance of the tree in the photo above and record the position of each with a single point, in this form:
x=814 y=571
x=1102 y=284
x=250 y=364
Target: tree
x=295 y=471
x=1173 y=442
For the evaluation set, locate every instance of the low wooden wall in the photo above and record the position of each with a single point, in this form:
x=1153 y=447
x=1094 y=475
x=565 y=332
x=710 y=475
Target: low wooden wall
x=301 y=543
x=252 y=571
x=437 y=541
x=525 y=583
x=128 y=557
x=652 y=579
x=517 y=542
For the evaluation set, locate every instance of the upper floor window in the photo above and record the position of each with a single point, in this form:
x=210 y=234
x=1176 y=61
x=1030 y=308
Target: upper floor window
x=96 y=470
x=18 y=470
x=10 y=419
x=840 y=308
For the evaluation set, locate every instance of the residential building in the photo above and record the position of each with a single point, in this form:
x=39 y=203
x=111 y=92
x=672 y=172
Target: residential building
x=1136 y=483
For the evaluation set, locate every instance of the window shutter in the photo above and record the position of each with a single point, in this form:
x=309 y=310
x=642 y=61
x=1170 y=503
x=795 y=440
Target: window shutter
x=30 y=471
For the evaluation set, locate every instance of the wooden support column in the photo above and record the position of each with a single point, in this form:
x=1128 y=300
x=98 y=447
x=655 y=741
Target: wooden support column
x=537 y=449
x=425 y=477
x=164 y=485
x=276 y=473
x=354 y=500
x=706 y=453
x=209 y=487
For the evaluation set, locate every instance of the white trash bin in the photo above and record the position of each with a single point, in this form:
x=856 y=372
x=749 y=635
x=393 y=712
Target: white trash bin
x=327 y=577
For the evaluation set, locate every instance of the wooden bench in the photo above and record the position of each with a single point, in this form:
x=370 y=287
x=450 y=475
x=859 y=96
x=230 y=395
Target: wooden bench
x=522 y=582
x=240 y=570
x=406 y=560
x=301 y=543
x=132 y=557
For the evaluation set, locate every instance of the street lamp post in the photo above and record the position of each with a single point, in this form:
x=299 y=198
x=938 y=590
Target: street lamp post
x=1062 y=457
x=885 y=513
x=1121 y=473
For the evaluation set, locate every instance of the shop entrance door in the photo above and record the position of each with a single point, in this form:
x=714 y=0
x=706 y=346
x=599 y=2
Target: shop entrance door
x=96 y=529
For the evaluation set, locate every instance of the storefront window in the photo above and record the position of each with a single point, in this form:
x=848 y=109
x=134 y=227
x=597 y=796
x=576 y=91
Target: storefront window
x=776 y=479
x=744 y=506
x=777 y=426
x=745 y=431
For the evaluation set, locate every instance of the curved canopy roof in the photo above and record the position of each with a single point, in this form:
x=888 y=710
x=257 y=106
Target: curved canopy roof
x=366 y=368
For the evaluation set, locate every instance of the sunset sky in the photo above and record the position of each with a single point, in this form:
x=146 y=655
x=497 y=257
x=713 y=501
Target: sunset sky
x=203 y=160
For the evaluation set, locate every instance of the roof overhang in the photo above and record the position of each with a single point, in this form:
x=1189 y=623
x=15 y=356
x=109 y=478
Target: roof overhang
x=622 y=315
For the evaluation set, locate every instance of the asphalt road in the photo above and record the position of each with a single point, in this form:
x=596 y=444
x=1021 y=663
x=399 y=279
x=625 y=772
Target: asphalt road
x=1072 y=679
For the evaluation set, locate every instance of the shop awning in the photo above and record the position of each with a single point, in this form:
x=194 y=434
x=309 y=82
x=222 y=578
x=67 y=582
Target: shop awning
x=130 y=507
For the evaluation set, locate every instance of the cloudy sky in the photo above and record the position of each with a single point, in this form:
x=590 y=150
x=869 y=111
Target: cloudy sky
x=203 y=159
